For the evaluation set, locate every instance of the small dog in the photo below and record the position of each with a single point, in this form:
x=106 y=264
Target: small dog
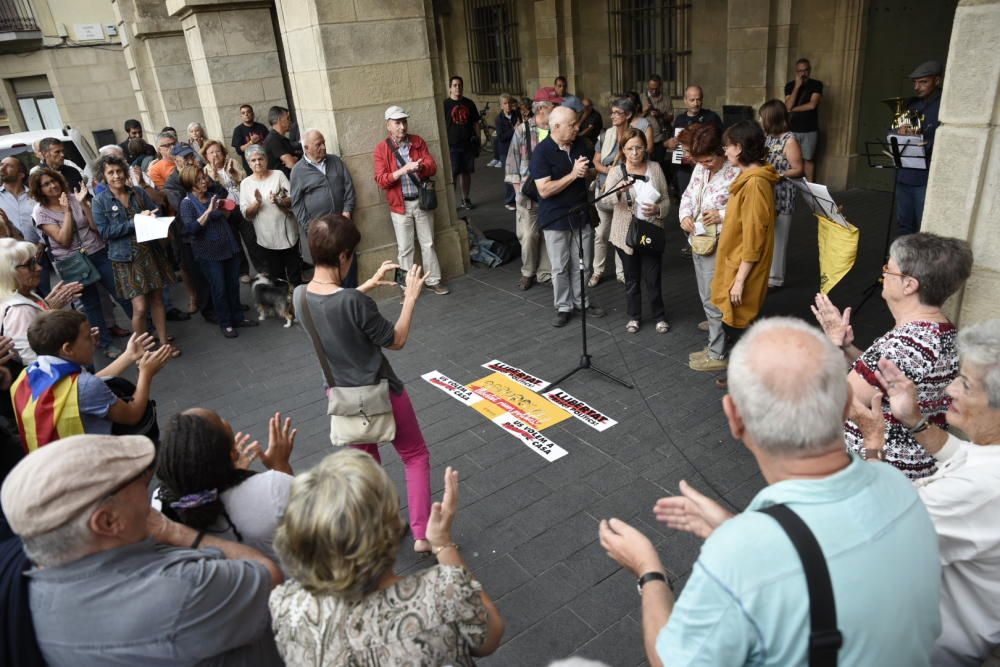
x=273 y=297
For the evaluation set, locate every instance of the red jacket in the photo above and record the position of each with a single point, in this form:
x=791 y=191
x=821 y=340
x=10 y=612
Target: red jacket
x=386 y=164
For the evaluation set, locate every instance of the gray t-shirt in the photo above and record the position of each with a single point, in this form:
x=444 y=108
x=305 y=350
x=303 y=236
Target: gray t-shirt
x=353 y=333
x=149 y=604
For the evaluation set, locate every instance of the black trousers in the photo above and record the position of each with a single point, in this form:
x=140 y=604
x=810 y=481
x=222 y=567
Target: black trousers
x=643 y=272
x=254 y=251
x=285 y=264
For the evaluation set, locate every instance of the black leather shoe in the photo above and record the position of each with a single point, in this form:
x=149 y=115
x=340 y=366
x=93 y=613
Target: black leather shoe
x=230 y=332
x=174 y=315
x=561 y=319
x=592 y=311
x=210 y=317
x=247 y=323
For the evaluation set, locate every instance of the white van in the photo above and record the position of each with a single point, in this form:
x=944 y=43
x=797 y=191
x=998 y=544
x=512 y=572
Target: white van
x=77 y=149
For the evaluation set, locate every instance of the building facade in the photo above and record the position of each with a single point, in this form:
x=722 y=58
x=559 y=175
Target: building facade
x=338 y=63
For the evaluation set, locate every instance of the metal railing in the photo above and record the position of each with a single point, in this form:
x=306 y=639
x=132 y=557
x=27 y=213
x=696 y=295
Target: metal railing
x=491 y=26
x=16 y=16
x=649 y=37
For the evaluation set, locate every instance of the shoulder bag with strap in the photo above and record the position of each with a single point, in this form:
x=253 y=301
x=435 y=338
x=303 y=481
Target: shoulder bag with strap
x=825 y=639
x=705 y=244
x=528 y=187
x=75 y=267
x=427 y=198
x=642 y=235
x=358 y=415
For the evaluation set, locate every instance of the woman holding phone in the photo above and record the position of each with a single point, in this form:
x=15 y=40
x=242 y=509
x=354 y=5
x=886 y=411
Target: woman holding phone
x=214 y=245
x=141 y=269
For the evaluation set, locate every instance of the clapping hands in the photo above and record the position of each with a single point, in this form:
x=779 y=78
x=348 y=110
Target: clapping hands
x=62 y=293
x=836 y=325
x=281 y=440
x=691 y=511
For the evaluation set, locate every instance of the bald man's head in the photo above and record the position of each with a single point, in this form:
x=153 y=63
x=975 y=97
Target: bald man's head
x=562 y=125
x=314 y=145
x=789 y=386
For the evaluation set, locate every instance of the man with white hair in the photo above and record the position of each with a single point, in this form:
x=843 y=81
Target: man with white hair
x=527 y=136
x=559 y=168
x=116 y=582
x=873 y=549
x=963 y=496
x=403 y=165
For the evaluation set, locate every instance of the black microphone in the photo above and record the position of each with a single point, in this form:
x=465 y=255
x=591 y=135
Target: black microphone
x=637 y=177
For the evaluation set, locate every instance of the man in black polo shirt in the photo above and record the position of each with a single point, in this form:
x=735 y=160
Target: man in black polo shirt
x=281 y=154
x=133 y=129
x=247 y=133
x=695 y=113
x=54 y=158
x=559 y=166
x=802 y=97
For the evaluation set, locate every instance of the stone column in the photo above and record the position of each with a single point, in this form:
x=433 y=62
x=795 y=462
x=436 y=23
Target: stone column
x=158 y=65
x=963 y=194
x=233 y=56
x=347 y=62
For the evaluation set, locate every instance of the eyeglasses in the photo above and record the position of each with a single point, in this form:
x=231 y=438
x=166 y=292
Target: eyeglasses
x=31 y=264
x=887 y=272
x=170 y=145
x=634 y=149
x=617 y=112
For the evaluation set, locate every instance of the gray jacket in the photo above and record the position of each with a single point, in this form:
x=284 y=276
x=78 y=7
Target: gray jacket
x=315 y=194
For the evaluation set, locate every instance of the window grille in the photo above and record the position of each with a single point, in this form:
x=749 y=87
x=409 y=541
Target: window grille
x=649 y=37
x=494 y=58
x=16 y=16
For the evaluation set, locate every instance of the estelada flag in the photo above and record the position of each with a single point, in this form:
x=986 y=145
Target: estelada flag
x=46 y=402
x=838 y=248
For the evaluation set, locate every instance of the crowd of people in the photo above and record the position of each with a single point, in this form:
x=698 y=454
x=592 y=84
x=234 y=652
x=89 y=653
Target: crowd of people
x=872 y=495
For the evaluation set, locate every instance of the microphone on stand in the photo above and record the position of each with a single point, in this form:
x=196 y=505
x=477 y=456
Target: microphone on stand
x=637 y=177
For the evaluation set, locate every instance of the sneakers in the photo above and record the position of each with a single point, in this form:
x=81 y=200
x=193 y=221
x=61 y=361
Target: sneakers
x=662 y=327
x=561 y=319
x=439 y=289
x=526 y=282
x=510 y=207
x=632 y=326
x=230 y=332
x=494 y=163
x=466 y=204
x=592 y=311
x=707 y=364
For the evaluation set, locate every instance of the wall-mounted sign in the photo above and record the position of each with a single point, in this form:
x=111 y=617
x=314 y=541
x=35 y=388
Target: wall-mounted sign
x=88 y=32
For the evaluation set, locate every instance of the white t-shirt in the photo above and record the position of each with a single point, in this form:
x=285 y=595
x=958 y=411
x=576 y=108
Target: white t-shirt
x=276 y=229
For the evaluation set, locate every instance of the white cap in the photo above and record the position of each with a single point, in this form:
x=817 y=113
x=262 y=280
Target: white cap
x=396 y=113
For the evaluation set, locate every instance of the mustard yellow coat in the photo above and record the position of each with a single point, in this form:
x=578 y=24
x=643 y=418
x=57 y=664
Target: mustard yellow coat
x=747 y=235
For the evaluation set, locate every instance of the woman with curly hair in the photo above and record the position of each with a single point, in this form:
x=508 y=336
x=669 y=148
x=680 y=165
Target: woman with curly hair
x=344 y=604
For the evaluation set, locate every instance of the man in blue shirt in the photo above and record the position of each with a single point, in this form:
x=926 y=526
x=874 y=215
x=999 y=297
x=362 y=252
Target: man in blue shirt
x=911 y=184
x=746 y=601
x=559 y=166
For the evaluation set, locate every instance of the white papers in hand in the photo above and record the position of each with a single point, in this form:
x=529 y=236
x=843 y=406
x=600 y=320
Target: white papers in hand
x=645 y=193
x=151 y=228
x=699 y=229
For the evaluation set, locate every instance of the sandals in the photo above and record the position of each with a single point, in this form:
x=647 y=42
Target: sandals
x=632 y=326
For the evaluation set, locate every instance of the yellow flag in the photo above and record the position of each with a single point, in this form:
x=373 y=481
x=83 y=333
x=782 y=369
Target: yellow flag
x=838 y=248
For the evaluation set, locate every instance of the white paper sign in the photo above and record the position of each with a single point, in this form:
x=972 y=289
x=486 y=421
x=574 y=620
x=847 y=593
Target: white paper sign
x=645 y=193
x=151 y=228
x=88 y=32
x=530 y=436
x=517 y=375
x=454 y=389
x=589 y=415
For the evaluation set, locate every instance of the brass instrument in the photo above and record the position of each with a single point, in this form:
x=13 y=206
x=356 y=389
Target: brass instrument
x=904 y=118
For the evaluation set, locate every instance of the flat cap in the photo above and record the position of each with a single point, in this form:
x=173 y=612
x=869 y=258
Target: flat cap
x=396 y=113
x=929 y=68
x=53 y=484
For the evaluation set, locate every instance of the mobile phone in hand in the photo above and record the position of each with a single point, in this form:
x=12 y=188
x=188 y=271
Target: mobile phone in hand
x=400 y=277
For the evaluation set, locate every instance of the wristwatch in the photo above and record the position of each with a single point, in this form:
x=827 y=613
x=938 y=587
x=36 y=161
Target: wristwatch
x=652 y=576
x=877 y=454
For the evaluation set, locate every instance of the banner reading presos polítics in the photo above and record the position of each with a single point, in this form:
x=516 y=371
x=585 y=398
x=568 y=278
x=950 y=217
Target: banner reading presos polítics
x=544 y=447
x=454 y=389
x=587 y=414
x=517 y=375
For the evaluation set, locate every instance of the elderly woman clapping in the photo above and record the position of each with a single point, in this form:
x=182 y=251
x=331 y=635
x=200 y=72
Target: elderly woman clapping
x=922 y=272
x=264 y=201
x=963 y=496
x=344 y=604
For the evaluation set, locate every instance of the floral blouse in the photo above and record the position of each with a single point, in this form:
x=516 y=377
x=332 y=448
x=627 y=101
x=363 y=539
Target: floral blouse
x=707 y=191
x=926 y=353
x=433 y=617
x=784 y=191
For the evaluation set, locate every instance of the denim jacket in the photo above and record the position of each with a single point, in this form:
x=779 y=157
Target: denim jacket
x=115 y=222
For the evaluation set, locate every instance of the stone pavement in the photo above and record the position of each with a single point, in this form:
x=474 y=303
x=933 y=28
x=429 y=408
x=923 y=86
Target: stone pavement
x=528 y=528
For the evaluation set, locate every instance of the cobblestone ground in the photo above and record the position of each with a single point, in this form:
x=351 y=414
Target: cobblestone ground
x=527 y=527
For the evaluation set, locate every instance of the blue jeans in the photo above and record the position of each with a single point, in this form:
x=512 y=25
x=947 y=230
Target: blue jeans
x=223 y=278
x=91 y=297
x=909 y=207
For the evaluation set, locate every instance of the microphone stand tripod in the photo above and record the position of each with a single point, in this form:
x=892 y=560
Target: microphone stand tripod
x=578 y=216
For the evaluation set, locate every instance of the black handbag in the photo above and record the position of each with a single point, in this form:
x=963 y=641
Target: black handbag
x=427 y=198
x=528 y=187
x=642 y=235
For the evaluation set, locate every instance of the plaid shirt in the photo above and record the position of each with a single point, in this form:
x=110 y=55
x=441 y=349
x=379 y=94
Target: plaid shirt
x=409 y=187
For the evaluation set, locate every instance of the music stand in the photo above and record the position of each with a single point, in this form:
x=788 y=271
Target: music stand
x=579 y=216
x=895 y=155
